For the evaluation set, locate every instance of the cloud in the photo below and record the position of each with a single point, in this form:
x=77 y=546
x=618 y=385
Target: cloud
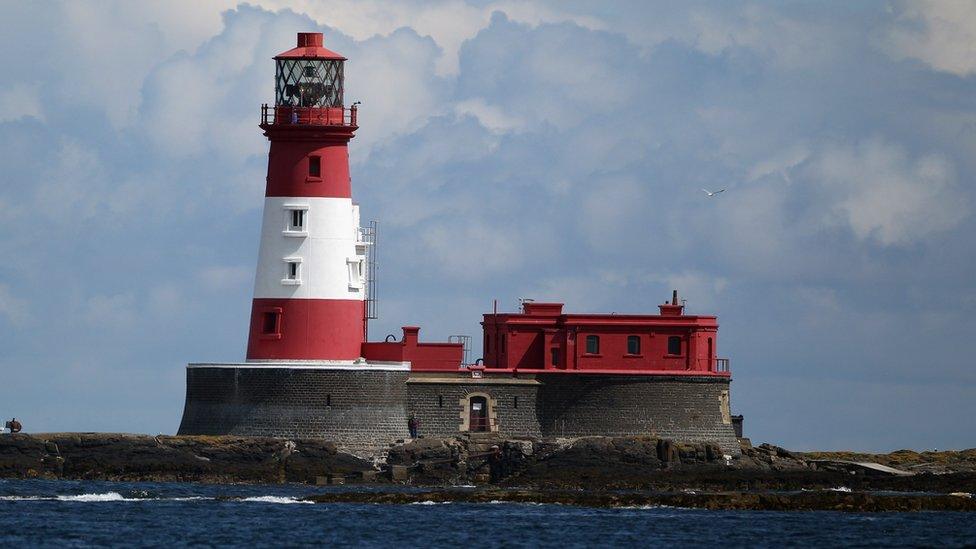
x=939 y=33
x=21 y=100
x=223 y=277
x=881 y=193
x=12 y=308
x=532 y=149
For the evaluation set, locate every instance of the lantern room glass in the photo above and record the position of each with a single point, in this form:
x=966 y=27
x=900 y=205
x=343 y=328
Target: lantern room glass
x=308 y=82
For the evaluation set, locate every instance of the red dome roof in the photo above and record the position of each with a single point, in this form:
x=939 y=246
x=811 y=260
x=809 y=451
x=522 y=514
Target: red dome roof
x=309 y=47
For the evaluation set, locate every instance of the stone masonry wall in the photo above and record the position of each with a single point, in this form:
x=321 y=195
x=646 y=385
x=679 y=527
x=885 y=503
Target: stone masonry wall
x=362 y=411
x=687 y=409
x=439 y=406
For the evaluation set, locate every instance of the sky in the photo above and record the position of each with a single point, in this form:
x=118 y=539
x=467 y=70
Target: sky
x=546 y=150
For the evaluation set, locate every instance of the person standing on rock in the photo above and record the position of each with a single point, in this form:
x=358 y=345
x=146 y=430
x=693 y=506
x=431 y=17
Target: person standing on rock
x=414 y=425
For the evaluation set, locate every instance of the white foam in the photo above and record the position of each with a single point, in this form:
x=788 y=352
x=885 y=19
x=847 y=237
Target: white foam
x=840 y=489
x=430 y=502
x=274 y=499
x=88 y=498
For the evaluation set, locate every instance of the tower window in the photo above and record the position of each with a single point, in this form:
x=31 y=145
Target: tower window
x=554 y=356
x=269 y=322
x=515 y=401
x=592 y=345
x=293 y=271
x=357 y=273
x=633 y=345
x=314 y=166
x=440 y=401
x=297 y=220
x=674 y=345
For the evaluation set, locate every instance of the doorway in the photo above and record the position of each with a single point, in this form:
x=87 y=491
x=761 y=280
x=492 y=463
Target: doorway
x=478 y=421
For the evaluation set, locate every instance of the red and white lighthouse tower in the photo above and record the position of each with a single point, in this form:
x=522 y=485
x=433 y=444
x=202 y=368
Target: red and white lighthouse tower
x=310 y=287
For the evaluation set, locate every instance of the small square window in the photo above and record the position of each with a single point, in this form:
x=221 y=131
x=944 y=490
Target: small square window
x=592 y=345
x=293 y=271
x=297 y=220
x=633 y=345
x=674 y=345
x=269 y=322
x=357 y=272
x=314 y=166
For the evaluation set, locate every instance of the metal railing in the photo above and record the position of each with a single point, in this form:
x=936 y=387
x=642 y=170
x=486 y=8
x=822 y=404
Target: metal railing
x=308 y=116
x=367 y=235
x=465 y=342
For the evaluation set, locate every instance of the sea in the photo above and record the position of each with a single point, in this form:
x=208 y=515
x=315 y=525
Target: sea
x=44 y=513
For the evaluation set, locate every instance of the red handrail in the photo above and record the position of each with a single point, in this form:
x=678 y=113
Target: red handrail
x=308 y=116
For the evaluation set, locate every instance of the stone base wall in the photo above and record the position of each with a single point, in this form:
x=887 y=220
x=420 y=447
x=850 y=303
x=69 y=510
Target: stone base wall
x=440 y=404
x=362 y=411
x=685 y=409
x=682 y=408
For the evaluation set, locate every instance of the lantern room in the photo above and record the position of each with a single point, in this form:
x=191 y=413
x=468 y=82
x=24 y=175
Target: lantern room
x=309 y=75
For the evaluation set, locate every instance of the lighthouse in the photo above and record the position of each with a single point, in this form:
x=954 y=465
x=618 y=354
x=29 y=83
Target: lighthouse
x=311 y=373
x=310 y=284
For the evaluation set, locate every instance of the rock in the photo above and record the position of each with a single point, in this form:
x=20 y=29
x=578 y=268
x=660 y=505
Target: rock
x=113 y=456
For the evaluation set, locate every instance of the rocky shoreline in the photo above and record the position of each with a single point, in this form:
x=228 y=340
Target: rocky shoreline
x=729 y=501
x=597 y=471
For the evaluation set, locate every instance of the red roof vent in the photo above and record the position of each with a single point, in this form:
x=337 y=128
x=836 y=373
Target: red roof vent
x=310 y=40
x=542 y=309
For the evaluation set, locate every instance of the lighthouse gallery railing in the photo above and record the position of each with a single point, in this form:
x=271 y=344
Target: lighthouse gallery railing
x=309 y=116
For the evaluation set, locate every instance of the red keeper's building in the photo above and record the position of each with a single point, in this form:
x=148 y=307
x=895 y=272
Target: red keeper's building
x=542 y=337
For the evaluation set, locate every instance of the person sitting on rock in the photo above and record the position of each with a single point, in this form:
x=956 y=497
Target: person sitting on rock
x=414 y=425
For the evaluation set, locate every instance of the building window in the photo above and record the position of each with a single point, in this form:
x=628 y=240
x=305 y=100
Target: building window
x=674 y=345
x=440 y=401
x=357 y=273
x=269 y=322
x=328 y=400
x=293 y=271
x=633 y=345
x=296 y=220
x=554 y=356
x=592 y=345
x=314 y=166
x=515 y=401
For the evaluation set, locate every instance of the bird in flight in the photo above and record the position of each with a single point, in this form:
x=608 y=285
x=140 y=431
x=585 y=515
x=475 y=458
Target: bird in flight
x=711 y=193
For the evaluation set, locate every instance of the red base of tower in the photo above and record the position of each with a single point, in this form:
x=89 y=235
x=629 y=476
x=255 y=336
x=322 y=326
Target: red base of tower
x=306 y=329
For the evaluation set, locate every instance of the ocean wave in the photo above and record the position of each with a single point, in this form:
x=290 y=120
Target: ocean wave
x=91 y=498
x=430 y=503
x=274 y=499
x=840 y=489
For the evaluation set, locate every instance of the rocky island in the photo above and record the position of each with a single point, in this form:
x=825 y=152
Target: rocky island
x=597 y=471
